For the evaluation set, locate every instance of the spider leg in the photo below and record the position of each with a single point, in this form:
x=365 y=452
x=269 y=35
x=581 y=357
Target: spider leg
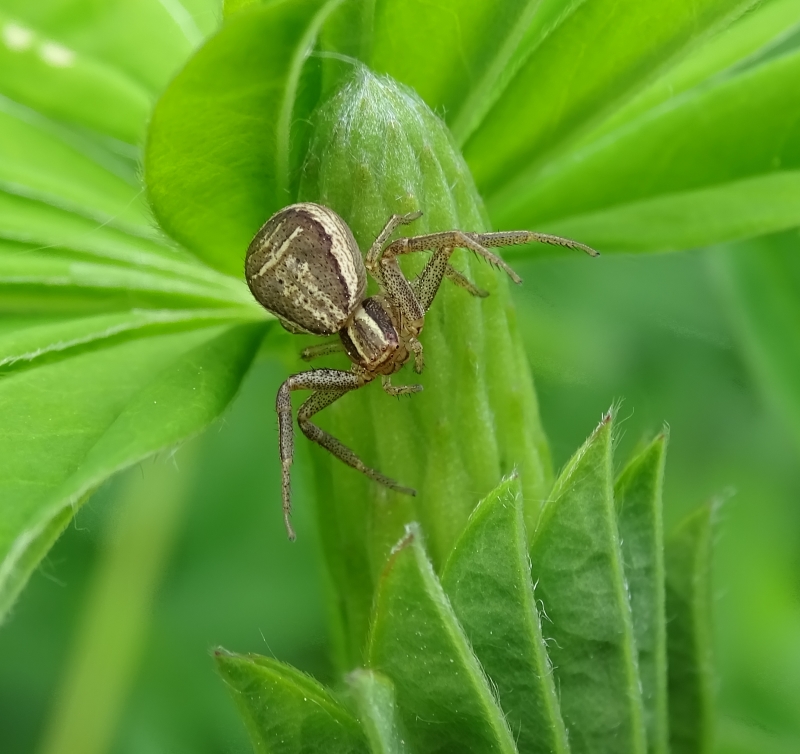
x=395 y=390
x=324 y=349
x=462 y=281
x=328 y=385
x=419 y=359
x=516 y=237
x=428 y=281
x=452 y=239
x=394 y=222
x=415 y=298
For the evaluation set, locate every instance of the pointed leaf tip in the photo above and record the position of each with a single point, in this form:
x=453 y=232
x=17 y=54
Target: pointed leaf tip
x=373 y=697
x=416 y=641
x=638 y=499
x=286 y=711
x=488 y=581
x=577 y=562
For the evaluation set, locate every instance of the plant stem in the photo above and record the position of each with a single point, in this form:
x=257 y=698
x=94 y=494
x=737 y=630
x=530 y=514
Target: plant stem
x=136 y=545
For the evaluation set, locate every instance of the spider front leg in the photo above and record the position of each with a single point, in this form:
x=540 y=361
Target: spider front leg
x=397 y=390
x=323 y=349
x=328 y=385
x=372 y=259
x=462 y=281
x=392 y=224
x=419 y=358
x=517 y=237
x=445 y=242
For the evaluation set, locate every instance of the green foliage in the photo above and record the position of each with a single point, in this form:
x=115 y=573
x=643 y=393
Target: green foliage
x=463 y=663
x=115 y=343
x=760 y=279
x=637 y=495
x=417 y=642
x=212 y=192
x=491 y=558
x=624 y=47
x=577 y=562
x=755 y=187
x=120 y=599
x=91 y=413
x=688 y=592
x=374 y=701
x=70 y=168
x=287 y=711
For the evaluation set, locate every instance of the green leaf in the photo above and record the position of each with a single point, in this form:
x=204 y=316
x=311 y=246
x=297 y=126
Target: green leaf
x=230 y=7
x=717 y=147
x=752 y=35
x=488 y=581
x=47 y=75
x=286 y=711
x=33 y=281
x=145 y=39
x=601 y=54
x=692 y=218
x=40 y=220
x=61 y=338
x=449 y=52
x=220 y=155
x=416 y=641
x=637 y=495
x=59 y=247
x=760 y=279
x=35 y=155
x=96 y=413
x=374 y=699
x=577 y=564
x=689 y=635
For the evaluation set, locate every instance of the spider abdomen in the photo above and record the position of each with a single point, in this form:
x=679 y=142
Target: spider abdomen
x=305 y=267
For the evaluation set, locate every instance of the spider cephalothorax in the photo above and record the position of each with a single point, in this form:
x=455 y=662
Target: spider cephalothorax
x=305 y=267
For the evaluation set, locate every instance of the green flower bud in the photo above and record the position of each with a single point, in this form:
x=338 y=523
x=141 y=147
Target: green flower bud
x=377 y=150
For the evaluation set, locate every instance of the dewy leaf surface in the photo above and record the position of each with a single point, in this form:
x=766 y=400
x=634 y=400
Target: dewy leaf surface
x=577 y=566
x=722 y=147
x=416 y=641
x=96 y=413
x=604 y=52
x=219 y=151
x=286 y=711
x=637 y=495
x=689 y=636
x=488 y=581
x=374 y=700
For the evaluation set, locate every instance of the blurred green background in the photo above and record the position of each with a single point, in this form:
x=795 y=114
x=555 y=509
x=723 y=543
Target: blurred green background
x=656 y=333
x=667 y=335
